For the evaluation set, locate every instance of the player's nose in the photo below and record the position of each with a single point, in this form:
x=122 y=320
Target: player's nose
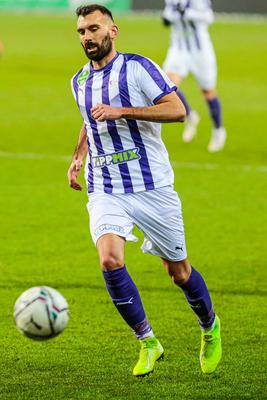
x=88 y=36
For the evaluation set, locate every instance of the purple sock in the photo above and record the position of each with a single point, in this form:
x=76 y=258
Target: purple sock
x=182 y=97
x=215 y=111
x=126 y=299
x=197 y=295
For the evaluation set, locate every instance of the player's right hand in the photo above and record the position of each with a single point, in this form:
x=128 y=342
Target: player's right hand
x=73 y=172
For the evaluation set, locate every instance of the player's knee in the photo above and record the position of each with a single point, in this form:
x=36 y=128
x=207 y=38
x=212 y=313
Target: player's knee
x=180 y=272
x=209 y=94
x=110 y=261
x=181 y=277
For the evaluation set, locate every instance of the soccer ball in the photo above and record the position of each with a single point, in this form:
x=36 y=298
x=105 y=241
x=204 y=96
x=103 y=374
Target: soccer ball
x=41 y=313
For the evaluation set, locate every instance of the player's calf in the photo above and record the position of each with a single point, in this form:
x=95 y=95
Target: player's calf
x=198 y=297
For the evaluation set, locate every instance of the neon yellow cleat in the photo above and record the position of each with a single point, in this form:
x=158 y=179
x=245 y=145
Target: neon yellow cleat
x=151 y=351
x=211 y=348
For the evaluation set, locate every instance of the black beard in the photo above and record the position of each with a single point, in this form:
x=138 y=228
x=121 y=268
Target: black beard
x=101 y=50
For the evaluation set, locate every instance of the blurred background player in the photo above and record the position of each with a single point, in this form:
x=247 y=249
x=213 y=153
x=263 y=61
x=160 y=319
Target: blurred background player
x=191 y=50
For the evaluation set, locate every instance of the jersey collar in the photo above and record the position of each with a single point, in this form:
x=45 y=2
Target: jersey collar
x=106 y=67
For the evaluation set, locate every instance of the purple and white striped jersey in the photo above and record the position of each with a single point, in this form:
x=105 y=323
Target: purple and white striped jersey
x=189 y=30
x=124 y=156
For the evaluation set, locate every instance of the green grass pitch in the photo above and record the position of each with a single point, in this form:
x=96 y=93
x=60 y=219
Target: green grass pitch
x=44 y=235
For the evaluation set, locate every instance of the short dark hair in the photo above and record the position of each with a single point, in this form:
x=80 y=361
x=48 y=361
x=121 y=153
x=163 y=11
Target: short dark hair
x=89 y=9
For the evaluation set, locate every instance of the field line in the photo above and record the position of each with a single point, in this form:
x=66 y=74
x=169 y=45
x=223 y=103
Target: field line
x=211 y=166
x=34 y=156
x=175 y=164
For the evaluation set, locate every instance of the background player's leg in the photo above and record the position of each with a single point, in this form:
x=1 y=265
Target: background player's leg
x=120 y=286
x=177 y=79
x=214 y=107
x=190 y=129
x=219 y=134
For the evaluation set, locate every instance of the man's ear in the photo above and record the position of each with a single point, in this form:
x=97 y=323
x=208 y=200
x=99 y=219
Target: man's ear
x=114 y=31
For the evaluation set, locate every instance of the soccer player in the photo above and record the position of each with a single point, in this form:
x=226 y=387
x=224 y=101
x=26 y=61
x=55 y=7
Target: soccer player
x=123 y=98
x=191 y=51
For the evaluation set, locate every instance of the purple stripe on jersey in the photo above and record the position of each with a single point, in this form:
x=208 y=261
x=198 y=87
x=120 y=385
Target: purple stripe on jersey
x=75 y=85
x=133 y=127
x=116 y=140
x=197 y=40
x=108 y=187
x=90 y=177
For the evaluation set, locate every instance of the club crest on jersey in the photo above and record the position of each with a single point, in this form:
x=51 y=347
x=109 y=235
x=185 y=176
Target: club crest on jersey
x=83 y=77
x=118 y=157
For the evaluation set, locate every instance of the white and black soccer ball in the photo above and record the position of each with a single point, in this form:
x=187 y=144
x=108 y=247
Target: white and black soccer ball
x=41 y=313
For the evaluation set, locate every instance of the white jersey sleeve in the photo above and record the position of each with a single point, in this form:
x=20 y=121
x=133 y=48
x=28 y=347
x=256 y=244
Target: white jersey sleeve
x=152 y=80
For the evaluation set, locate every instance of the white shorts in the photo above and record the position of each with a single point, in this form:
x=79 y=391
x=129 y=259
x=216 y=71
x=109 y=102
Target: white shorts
x=201 y=63
x=157 y=213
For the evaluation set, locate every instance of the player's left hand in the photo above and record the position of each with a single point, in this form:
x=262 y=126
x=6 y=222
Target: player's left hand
x=103 y=112
x=73 y=173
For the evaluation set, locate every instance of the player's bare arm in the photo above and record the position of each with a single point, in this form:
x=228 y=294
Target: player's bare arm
x=77 y=160
x=168 y=108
